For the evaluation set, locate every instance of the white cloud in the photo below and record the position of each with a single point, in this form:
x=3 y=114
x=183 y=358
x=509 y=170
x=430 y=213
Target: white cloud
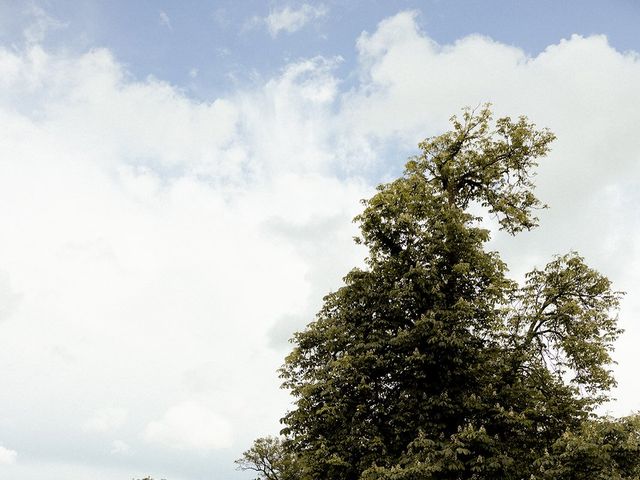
x=164 y=20
x=7 y=456
x=9 y=299
x=40 y=24
x=222 y=52
x=147 y=258
x=190 y=426
x=106 y=420
x=289 y=19
x=118 y=447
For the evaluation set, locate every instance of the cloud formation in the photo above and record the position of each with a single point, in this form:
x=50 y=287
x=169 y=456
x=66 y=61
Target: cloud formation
x=290 y=19
x=106 y=420
x=190 y=425
x=160 y=250
x=118 y=447
x=7 y=456
x=142 y=253
x=9 y=300
x=164 y=20
x=41 y=23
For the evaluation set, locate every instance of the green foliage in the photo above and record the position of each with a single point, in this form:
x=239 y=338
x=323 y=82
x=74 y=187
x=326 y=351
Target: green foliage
x=269 y=460
x=431 y=363
x=602 y=449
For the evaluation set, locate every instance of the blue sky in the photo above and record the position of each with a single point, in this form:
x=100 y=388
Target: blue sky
x=178 y=179
x=223 y=43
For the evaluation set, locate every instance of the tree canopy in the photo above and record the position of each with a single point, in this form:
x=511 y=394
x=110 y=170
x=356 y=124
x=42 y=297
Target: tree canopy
x=430 y=363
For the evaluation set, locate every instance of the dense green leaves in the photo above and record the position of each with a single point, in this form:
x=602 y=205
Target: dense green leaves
x=602 y=449
x=431 y=363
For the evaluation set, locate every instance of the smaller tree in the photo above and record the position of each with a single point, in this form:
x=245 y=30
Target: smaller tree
x=268 y=459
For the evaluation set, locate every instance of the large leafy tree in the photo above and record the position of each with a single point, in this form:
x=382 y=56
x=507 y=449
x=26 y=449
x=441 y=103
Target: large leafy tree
x=430 y=363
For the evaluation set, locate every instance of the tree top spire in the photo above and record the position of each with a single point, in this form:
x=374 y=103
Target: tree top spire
x=488 y=162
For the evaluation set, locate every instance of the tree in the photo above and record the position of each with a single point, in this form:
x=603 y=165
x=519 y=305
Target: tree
x=269 y=460
x=430 y=363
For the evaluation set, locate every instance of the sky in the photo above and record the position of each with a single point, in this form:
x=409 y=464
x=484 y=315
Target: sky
x=178 y=179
